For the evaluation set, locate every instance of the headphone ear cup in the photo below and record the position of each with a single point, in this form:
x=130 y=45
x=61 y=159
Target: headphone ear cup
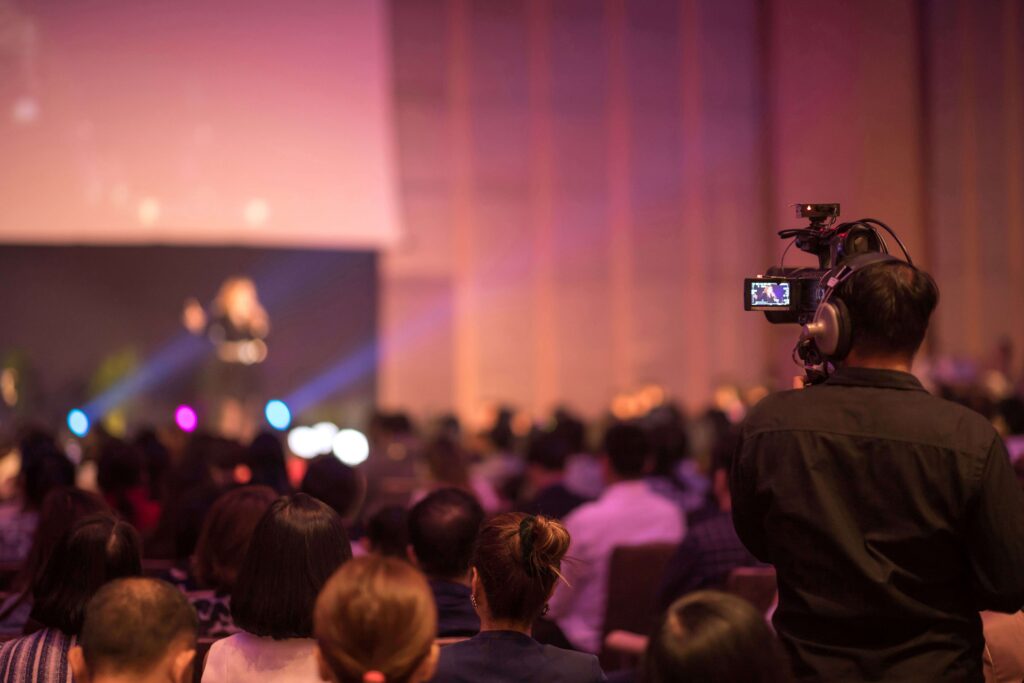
x=825 y=329
x=844 y=335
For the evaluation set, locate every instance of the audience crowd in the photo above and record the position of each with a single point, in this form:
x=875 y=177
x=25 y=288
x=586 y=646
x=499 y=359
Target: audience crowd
x=447 y=556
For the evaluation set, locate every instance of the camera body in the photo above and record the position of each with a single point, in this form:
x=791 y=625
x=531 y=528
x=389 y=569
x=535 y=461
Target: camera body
x=791 y=295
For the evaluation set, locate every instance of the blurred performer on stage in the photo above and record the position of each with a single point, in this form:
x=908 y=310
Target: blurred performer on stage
x=237 y=325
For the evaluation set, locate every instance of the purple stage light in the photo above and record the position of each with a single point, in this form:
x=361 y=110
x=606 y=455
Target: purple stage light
x=186 y=419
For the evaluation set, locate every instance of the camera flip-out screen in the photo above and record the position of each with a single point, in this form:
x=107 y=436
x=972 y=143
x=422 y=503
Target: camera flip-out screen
x=768 y=294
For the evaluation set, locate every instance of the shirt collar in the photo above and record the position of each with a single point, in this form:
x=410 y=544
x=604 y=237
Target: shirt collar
x=871 y=377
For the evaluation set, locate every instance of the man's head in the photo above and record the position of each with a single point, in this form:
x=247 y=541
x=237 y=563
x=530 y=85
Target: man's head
x=136 y=629
x=890 y=304
x=442 y=530
x=627 y=450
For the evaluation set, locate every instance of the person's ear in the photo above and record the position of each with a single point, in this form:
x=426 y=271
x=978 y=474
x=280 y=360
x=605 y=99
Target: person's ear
x=428 y=667
x=76 y=659
x=411 y=554
x=182 y=665
x=321 y=666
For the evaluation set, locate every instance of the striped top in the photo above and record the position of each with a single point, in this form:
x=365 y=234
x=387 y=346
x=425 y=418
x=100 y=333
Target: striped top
x=38 y=658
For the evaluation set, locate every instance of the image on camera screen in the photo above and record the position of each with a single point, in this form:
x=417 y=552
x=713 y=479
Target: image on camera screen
x=769 y=294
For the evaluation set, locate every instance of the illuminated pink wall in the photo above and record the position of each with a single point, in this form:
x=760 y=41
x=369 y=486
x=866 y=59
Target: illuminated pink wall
x=585 y=184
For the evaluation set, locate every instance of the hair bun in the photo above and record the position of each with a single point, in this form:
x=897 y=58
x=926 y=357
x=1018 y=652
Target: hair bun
x=549 y=544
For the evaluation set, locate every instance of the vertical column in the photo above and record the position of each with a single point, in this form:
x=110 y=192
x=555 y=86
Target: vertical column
x=467 y=351
x=619 y=206
x=972 y=314
x=1014 y=145
x=544 y=336
x=696 y=352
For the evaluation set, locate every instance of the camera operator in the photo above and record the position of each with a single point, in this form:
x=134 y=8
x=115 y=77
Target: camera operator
x=892 y=516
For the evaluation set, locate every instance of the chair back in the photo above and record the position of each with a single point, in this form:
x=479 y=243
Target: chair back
x=633 y=579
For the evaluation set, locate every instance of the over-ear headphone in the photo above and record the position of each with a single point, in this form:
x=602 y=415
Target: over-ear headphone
x=831 y=331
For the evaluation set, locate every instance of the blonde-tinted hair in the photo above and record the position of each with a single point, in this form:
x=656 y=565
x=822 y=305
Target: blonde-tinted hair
x=375 y=614
x=519 y=558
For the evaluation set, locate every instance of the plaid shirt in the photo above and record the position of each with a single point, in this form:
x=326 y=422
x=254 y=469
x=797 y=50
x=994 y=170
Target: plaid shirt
x=710 y=551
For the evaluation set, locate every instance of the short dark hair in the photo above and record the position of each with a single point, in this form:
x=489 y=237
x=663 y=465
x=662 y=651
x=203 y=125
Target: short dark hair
x=43 y=467
x=97 y=549
x=442 y=529
x=713 y=636
x=388 y=531
x=298 y=543
x=627 y=448
x=265 y=458
x=890 y=304
x=331 y=481
x=548 y=450
x=131 y=623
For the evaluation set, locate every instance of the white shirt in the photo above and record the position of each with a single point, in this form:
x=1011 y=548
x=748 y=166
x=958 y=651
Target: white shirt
x=628 y=513
x=249 y=658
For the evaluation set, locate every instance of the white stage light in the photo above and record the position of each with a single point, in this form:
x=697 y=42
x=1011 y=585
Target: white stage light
x=303 y=442
x=351 y=447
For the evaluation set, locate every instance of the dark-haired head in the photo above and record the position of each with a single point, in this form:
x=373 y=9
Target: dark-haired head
x=119 y=470
x=156 y=459
x=297 y=545
x=62 y=507
x=627 y=449
x=376 y=614
x=442 y=531
x=713 y=636
x=136 y=628
x=43 y=467
x=225 y=535
x=517 y=561
x=548 y=451
x=890 y=304
x=265 y=458
x=387 y=531
x=97 y=549
x=331 y=481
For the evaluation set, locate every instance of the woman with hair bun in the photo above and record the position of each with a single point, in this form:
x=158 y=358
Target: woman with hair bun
x=375 y=622
x=516 y=565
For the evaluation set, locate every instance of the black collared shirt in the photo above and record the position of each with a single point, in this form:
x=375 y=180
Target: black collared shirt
x=891 y=516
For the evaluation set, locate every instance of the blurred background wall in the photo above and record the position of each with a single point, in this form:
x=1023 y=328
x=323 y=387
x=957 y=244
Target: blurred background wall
x=585 y=184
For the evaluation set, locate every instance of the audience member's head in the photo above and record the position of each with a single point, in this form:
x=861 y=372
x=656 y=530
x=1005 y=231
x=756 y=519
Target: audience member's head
x=43 y=467
x=136 y=629
x=387 y=532
x=97 y=549
x=516 y=563
x=265 y=458
x=446 y=462
x=712 y=636
x=571 y=430
x=156 y=458
x=890 y=304
x=376 y=614
x=331 y=481
x=548 y=451
x=225 y=535
x=627 y=449
x=62 y=507
x=297 y=545
x=443 y=528
x=119 y=469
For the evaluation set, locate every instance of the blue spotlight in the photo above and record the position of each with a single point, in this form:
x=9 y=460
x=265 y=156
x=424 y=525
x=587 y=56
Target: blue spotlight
x=278 y=414
x=78 y=422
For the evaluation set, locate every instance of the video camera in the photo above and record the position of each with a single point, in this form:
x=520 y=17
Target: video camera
x=794 y=295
